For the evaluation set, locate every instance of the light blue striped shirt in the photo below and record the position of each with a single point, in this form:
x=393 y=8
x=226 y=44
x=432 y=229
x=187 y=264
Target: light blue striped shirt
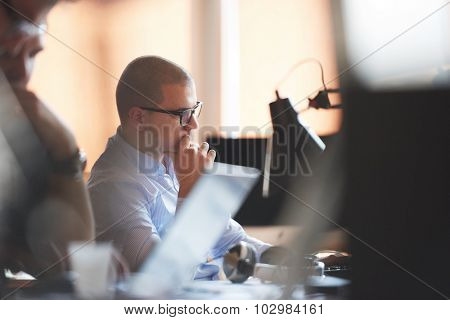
x=135 y=197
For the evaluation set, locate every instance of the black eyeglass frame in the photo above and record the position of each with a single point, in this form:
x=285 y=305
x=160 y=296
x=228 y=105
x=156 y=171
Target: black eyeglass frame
x=181 y=113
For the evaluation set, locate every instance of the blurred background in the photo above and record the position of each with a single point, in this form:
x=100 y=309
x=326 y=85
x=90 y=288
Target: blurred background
x=237 y=51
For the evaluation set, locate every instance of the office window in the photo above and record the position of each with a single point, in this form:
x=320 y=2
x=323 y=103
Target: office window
x=237 y=50
x=274 y=35
x=91 y=42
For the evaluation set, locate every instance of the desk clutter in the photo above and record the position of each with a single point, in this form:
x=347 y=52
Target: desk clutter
x=270 y=278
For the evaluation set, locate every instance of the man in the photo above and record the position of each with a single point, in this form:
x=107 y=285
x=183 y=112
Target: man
x=150 y=165
x=36 y=242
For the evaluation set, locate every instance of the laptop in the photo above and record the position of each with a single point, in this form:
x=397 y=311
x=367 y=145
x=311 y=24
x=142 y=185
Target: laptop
x=198 y=226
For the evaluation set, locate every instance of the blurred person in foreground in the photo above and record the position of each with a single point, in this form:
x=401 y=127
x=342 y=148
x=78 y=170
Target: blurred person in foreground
x=150 y=164
x=36 y=242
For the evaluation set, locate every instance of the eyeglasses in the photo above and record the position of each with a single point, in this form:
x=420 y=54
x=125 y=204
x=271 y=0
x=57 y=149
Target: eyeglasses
x=19 y=24
x=185 y=115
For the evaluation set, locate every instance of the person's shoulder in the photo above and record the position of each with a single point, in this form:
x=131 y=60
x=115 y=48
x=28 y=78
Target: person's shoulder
x=111 y=169
x=114 y=183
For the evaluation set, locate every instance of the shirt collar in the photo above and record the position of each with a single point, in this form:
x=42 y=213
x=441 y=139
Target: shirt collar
x=144 y=163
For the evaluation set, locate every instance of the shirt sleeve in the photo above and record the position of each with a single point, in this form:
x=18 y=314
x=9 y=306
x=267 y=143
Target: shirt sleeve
x=179 y=203
x=233 y=234
x=124 y=219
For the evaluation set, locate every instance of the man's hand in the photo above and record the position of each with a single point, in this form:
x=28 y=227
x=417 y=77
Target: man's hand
x=55 y=136
x=190 y=161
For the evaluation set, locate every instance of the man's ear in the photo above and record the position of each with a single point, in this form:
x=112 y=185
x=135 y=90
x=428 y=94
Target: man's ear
x=136 y=115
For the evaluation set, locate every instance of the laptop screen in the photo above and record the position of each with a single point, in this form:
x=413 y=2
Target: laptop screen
x=198 y=226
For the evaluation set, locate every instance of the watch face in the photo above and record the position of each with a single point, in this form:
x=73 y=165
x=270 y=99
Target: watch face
x=83 y=159
x=72 y=166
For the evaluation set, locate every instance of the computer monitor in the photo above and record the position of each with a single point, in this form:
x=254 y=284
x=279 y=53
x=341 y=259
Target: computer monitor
x=283 y=158
x=396 y=154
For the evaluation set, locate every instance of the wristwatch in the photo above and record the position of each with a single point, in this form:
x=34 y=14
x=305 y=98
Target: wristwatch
x=72 y=166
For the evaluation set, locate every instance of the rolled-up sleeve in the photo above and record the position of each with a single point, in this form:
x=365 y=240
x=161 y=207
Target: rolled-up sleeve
x=233 y=234
x=122 y=216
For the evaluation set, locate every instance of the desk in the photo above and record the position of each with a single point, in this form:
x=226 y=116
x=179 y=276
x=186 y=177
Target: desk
x=275 y=235
x=252 y=289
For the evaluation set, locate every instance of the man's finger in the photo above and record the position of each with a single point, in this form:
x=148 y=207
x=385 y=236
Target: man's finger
x=211 y=155
x=185 y=142
x=204 y=147
x=194 y=146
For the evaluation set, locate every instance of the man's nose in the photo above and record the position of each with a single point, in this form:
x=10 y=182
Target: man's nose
x=193 y=123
